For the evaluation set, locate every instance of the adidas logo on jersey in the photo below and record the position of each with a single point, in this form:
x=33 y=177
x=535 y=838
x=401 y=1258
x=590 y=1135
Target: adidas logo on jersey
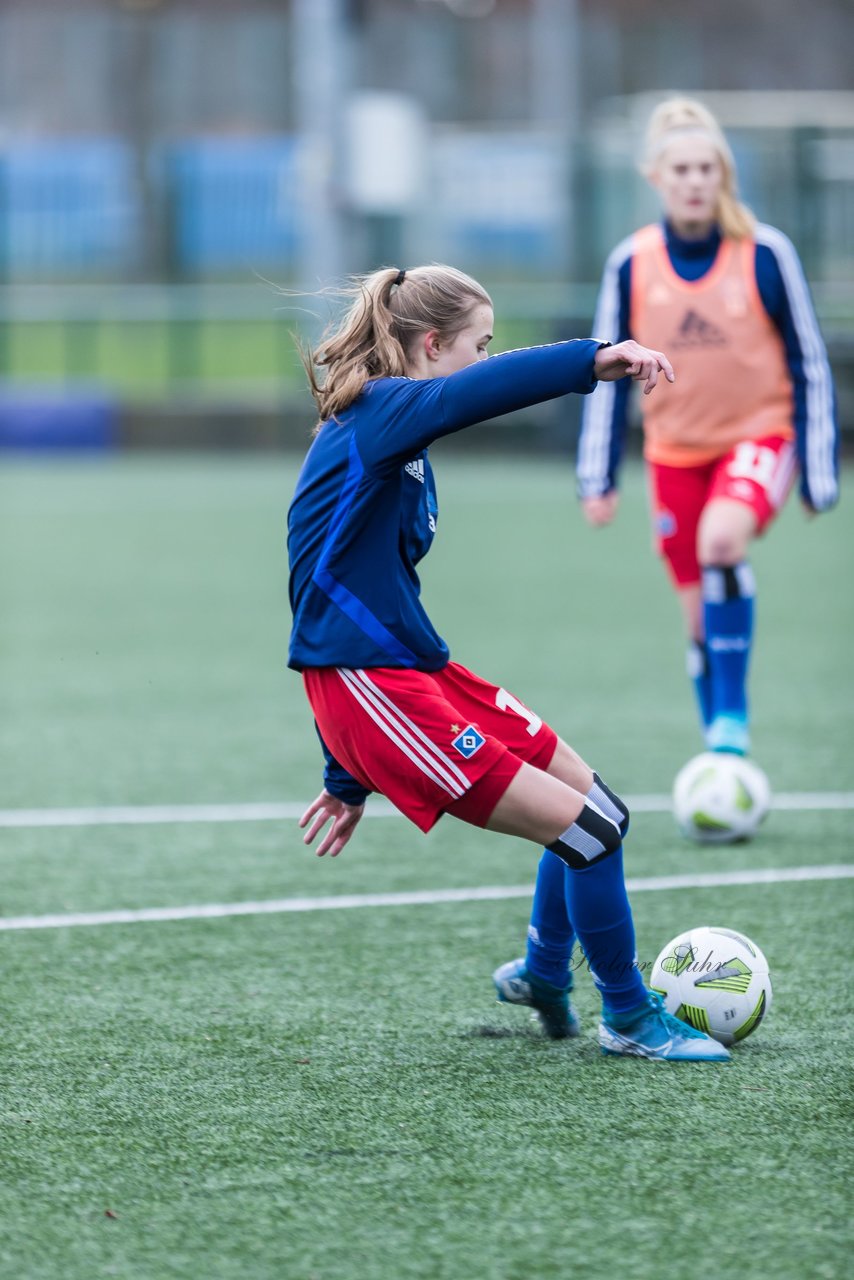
x=415 y=468
x=694 y=331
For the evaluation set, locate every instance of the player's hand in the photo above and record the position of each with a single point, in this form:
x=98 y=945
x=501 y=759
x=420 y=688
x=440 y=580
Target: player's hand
x=344 y=819
x=600 y=511
x=631 y=360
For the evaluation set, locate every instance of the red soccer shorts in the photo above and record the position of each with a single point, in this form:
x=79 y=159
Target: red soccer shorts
x=429 y=741
x=757 y=473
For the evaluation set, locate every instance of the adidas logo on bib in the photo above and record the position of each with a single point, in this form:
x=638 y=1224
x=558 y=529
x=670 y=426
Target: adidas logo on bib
x=695 y=331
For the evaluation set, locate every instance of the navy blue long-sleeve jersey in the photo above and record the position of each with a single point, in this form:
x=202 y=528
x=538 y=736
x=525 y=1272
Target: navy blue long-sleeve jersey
x=785 y=296
x=364 y=511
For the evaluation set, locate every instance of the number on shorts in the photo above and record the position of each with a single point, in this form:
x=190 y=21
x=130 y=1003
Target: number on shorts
x=505 y=701
x=753 y=462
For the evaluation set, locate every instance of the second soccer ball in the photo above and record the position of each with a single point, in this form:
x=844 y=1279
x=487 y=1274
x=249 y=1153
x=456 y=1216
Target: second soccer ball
x=719 y=798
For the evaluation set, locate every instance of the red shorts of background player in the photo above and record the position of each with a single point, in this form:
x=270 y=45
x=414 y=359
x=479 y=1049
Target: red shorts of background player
x=429 y=741
x=757 y=473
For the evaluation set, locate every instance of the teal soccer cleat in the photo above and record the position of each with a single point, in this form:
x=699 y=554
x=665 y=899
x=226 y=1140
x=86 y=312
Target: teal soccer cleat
x=728 y=733
x=515 y=985
x=655 y=1033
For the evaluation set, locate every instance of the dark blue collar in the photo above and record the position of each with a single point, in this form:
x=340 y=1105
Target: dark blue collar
x=681 y=248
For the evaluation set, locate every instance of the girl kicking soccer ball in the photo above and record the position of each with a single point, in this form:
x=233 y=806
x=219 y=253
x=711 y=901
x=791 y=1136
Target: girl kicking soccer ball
x=407 y=365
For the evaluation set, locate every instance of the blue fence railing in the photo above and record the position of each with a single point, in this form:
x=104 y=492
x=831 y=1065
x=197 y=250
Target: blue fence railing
x=513 y=205
x=67 y=208
x=74 y=209
x=235 y=203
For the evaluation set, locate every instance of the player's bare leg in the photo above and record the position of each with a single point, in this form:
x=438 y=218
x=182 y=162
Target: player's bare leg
x=568 y=766
x=536 y=806
x=725 y=532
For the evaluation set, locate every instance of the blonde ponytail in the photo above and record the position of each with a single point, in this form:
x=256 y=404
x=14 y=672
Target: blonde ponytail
x=680 y=116
x=388 y=310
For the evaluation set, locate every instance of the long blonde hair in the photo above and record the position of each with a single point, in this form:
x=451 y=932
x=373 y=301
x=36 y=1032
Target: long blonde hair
x=677 y=116
x=388 y=310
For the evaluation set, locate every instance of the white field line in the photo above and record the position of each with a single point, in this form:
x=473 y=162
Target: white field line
x=140 y=815
x=422 y=897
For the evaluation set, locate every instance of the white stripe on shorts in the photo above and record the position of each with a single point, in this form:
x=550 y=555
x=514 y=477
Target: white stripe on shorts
x=429 y=759
x=784 y=474
x=413 y=728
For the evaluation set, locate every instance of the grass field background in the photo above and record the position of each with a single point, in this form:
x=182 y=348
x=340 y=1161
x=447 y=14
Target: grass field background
x=334 y=1095
x=149 y=359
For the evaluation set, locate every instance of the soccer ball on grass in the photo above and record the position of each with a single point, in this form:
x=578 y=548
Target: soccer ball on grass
x=716 y=980
x=719 y=798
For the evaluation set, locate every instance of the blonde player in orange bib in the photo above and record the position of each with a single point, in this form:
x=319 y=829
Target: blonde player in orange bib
x=753 y=404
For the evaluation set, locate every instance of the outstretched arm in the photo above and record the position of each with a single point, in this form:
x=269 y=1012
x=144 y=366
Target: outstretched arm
x=411 y=413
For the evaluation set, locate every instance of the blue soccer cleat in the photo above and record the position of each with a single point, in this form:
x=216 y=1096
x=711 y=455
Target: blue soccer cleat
x=728 y=733
x=656 y=1034
x=516 y=985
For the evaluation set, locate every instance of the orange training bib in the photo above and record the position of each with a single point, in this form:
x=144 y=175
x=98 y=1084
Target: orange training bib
x=732 y=381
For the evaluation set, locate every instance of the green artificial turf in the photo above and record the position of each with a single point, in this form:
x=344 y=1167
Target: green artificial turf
x=335 y=1095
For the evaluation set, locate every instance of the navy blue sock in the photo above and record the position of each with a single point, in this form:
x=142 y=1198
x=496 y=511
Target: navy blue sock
x=728 y=594
x=697 y=662
x=599 y=910
x=550 y=935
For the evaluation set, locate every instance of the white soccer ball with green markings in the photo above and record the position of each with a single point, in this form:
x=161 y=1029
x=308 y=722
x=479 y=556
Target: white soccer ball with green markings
x=716 y=980
x=719 y=798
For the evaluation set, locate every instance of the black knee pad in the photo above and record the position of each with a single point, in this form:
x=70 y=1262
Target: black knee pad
x=590 y=838
x=722 y=582
x=610 y=804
